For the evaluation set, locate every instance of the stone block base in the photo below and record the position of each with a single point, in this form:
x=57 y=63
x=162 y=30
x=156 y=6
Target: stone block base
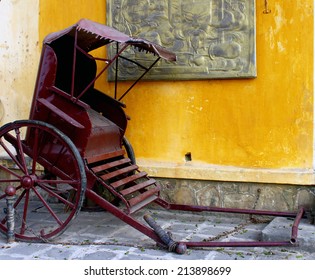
x=245 y=195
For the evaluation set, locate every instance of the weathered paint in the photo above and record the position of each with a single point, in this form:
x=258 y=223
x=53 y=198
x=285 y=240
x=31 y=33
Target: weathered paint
x=19 y=57
x=251 y=129
x=264 y=123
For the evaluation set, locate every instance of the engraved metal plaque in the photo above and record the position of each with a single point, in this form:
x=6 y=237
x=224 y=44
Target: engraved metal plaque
x=211 y=38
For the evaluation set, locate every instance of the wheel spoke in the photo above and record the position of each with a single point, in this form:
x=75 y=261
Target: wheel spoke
x=35 y=151
x=20 y=150
x=60 y=181
x=54 y=194
x=17 y=202
x=4 y=220
x=48 y=207
x=13 y=157
x=9 y=180
x=10 y=172
x=27 y=198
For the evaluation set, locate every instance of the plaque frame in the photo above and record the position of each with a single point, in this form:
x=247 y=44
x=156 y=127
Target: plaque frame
x=213 y=39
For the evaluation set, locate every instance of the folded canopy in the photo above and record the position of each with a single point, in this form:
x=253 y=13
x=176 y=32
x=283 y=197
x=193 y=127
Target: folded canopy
x=92 y=35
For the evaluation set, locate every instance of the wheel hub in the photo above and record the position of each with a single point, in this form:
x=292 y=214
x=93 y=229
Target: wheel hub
x=28 y=181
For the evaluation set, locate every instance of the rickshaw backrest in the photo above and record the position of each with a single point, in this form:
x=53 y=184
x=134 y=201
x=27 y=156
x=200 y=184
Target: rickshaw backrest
x=85 y=67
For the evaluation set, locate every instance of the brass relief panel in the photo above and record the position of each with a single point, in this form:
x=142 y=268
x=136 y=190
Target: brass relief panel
x=211 y=38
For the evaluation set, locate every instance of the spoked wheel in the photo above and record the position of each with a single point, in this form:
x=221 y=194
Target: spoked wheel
x=48 y=173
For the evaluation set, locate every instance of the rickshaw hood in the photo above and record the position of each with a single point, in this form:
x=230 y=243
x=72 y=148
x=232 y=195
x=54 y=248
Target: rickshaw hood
x=92 y=35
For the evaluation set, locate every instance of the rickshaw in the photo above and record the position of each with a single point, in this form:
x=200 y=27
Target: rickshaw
x=73 y=146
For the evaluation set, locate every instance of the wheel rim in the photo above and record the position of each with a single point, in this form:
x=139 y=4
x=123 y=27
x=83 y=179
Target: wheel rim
x=48 y=175
x=129 y=150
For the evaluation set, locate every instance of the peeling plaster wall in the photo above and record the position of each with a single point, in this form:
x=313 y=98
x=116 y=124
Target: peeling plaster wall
x=19 y=54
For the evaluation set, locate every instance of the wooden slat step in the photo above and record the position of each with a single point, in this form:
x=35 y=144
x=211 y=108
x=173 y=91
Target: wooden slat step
x=110 y=165
x=137 y=199
x=129 y=179
x=138 y=187
x=142 y=204
x=118 y=172
x=101 y=157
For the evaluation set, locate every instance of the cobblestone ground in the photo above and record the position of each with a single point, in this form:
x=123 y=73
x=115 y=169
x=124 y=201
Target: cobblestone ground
x=101 y=236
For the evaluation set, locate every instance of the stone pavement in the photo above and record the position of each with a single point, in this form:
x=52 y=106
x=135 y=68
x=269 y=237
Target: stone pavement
x=101 y=236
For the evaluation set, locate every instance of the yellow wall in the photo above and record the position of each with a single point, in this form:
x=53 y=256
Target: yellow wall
x=57 y=14
x=264 y=123
x=19 y=57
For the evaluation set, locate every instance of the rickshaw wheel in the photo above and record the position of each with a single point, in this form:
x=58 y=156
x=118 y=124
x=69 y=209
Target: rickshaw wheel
x=48 y=174
x=129 y=150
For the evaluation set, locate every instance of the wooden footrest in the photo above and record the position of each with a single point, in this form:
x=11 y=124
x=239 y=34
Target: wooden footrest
x=128 y=179
x=138 y=187
x=139 y=198
x=106 y=156
x=119 y=172
x=142 y=204
x=111 y=164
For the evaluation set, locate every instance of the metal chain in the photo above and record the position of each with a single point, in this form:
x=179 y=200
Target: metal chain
x=221 y=235
x=253 y=219
x=29 y=229
x=227 y=233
